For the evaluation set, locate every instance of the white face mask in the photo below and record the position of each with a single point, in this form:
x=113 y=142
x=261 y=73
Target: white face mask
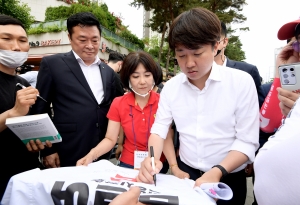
x=12 y=59
x=142 y=95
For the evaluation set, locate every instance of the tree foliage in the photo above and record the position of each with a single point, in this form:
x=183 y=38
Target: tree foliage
x=164 y=13
x=17 y=10
x=234 y=49
x=106 y=19
x=228 y=11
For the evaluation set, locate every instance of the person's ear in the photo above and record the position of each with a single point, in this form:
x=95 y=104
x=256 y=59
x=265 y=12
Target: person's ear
x=225 y=43
x=215 y=47
x=70 y=39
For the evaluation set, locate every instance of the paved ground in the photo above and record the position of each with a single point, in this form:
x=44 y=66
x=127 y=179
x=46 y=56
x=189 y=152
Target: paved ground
x=249 y=198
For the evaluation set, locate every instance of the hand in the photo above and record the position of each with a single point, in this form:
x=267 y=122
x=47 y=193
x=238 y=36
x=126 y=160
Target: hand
x=286 y=56
x=179 y=173
x=249 y=170
x=87 y=159
x=287 y=100
x=118 y=151
x=131 y=197
x=211 y=176
x=37 y=145
x=24 y=99
x=146 y=172
x=51 y=161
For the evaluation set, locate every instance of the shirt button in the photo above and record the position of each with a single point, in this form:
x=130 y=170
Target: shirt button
x=142 y=113
x=143 y=119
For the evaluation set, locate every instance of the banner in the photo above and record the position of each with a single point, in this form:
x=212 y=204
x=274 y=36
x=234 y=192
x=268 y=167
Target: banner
x=98 y=184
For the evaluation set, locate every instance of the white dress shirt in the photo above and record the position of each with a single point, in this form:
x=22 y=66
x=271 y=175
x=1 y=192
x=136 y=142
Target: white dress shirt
x=31 y=77
x=277 y=164
x=221 y=117
x=93 y=77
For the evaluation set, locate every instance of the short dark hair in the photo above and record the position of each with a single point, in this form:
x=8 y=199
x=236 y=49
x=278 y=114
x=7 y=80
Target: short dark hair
x=194 y=28
x=8 y=20
x=223 y=29
x=115 y=57
x=170 y=74
x=83 y=19
x=132 y=61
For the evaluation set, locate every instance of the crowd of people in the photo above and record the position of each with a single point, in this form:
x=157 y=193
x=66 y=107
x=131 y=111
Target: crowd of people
x=216 y=110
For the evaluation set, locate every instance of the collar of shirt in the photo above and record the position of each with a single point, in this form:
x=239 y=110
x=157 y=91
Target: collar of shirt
x=97 y=60
x=214 y=75
x=131 y=99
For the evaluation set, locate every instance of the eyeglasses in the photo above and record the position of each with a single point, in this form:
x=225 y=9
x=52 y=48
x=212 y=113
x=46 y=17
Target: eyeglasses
x=296 y=46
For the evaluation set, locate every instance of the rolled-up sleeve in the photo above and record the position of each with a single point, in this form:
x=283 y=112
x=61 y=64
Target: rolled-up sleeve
x=247 y=119
x=163 y=117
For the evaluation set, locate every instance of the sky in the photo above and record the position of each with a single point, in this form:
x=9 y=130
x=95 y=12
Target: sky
x=264 y=18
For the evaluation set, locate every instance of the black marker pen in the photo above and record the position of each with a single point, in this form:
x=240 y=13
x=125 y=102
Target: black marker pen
x=153 y=164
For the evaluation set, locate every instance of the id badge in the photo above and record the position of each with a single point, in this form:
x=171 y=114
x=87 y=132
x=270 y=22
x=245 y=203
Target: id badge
x=139 y=156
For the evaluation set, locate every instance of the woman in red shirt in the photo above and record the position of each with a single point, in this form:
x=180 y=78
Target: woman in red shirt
x=134 y=111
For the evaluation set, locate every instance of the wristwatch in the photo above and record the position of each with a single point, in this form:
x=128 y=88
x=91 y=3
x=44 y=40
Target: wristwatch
x=223 y=170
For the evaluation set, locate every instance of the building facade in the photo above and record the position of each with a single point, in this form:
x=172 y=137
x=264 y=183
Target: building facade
x=38 y=7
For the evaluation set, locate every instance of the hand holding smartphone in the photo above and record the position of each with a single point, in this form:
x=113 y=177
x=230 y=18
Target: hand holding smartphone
x=290 y=77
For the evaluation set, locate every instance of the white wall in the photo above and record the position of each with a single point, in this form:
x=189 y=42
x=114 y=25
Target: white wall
x=38 y=7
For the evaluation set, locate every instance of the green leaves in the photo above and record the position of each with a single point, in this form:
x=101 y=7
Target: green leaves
x=17 y=10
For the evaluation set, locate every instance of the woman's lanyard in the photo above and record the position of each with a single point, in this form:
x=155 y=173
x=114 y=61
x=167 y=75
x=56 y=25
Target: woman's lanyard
x=147 y=136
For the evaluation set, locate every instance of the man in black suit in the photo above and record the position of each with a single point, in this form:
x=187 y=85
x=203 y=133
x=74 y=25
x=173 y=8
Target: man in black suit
x=221 y=59
x=80 y=88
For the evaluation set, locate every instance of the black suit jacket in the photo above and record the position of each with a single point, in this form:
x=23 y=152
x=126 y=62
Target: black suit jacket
x=79 y=119
x=253 y=71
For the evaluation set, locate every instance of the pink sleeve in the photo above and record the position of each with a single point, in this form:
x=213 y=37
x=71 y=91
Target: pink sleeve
x=270 y=113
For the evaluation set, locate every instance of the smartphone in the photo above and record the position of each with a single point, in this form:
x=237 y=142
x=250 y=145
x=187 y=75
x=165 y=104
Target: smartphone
x=290 y=77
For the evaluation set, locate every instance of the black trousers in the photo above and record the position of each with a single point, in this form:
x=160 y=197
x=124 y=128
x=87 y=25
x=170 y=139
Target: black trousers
x=236 y=181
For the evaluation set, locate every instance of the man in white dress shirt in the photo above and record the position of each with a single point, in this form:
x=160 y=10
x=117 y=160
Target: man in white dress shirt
x=215 y=110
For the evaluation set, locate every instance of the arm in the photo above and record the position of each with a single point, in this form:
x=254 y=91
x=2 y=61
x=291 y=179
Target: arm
x=45 y=87
x=270 y=115
x=159 y=131
x=169 y=152
x=104 y=146
x=120 y=143
x=24 y=99
x=243 y=148
x=146 y=172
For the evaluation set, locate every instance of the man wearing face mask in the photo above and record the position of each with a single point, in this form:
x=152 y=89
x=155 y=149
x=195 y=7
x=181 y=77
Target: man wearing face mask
x=14 y=101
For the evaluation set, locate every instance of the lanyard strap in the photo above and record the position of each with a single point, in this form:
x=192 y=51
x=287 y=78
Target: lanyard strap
x=148 y=132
